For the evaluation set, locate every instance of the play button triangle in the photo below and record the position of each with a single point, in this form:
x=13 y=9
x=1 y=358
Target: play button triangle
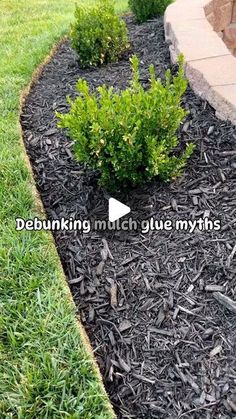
x=117 y=210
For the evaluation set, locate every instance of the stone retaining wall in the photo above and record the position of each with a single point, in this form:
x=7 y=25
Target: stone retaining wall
x=198 y=29
x=222 y=16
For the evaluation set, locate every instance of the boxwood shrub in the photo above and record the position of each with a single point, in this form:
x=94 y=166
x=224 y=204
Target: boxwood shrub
x=130 y=136
x=98 y=34
x=147 y=9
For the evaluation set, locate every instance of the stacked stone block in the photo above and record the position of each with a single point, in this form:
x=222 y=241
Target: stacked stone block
x=197 y=28
x=221 y=14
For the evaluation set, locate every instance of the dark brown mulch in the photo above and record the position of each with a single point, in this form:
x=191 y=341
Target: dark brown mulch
x=165 y=345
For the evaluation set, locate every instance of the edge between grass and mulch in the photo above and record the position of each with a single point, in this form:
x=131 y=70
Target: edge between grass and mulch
x=47 y=367
x=87 y=356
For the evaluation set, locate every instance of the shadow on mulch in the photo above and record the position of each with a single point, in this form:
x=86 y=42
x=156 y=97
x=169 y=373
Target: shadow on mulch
x=165 y=346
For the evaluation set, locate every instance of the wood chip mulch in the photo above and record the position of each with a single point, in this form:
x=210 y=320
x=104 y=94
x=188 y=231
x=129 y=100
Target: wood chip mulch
x=159 y=308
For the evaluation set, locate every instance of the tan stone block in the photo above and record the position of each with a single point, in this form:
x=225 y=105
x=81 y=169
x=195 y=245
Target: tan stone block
x=234 y=13
x=184 y=10
x=208 y=8
x=167 y=30
x=210 y=67
x=196 y=40
x=215 y=71
x=230 y=36
x=223 y=16
x=211 y=19
x=173 y=54
x=219 y=3
x=223 y=99
x=196 y=80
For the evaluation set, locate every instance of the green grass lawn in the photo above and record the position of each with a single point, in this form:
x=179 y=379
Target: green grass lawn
x=45 y=369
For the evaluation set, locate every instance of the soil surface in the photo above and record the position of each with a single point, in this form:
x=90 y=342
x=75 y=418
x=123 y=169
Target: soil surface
x=151 y=303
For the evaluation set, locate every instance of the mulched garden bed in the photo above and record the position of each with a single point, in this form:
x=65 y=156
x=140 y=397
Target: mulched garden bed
x=165 y=344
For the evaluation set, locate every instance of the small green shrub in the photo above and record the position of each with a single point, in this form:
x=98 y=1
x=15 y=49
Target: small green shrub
x=147 y=9
x=98 y=35
x=129 y=136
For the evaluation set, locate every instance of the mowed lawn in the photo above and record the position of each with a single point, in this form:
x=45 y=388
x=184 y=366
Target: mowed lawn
x=45 y=369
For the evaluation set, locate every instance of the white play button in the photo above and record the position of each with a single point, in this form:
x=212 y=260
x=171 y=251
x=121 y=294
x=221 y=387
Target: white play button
x=117 y=210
